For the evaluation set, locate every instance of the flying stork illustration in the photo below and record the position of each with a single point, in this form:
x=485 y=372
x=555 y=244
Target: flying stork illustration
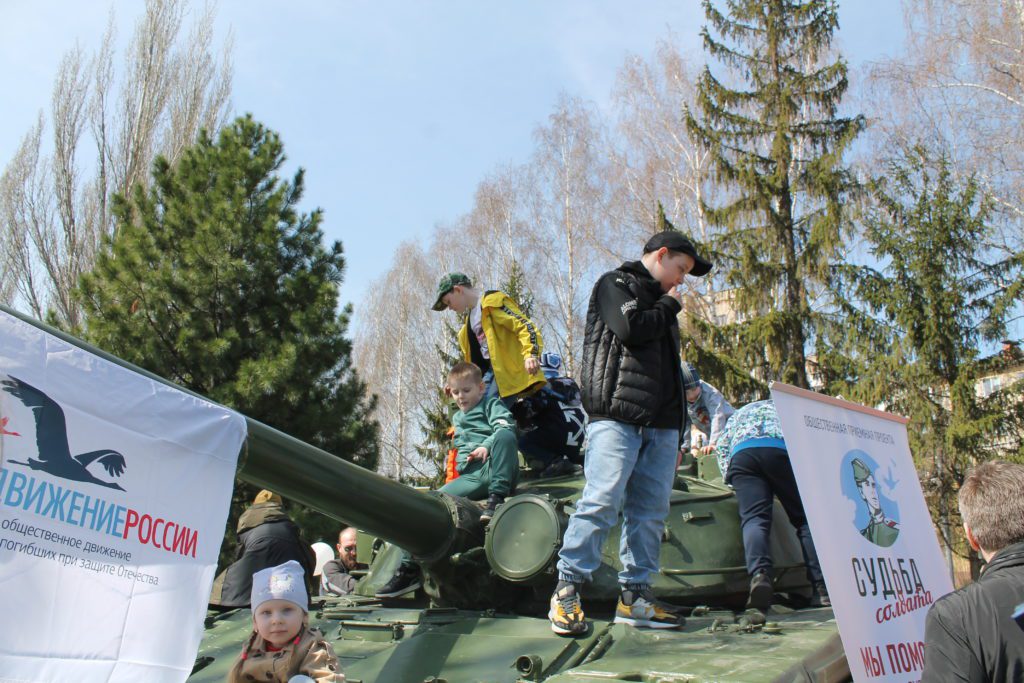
x=52 y=440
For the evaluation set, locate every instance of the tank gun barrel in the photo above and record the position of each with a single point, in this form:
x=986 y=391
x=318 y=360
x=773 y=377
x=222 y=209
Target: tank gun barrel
x=416 y=521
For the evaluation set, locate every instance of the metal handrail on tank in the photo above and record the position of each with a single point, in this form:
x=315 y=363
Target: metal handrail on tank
x=416 y=521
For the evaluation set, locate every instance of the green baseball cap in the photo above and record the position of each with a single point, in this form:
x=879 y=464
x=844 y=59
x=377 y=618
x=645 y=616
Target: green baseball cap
x=447 y=284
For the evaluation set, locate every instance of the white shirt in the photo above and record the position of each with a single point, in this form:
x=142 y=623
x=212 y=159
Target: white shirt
x=476 y=323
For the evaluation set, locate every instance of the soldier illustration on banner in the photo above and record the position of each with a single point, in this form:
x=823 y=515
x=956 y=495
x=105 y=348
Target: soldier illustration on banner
x=881 y=528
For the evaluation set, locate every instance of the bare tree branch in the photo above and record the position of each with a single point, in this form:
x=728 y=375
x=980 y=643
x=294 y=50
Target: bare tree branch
x=56 y=202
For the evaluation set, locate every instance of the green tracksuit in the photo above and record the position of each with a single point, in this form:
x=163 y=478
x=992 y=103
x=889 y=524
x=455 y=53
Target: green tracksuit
x=489 y=424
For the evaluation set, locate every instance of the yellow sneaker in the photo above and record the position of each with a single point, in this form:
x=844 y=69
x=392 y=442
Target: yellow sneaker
x=640 y=609
x=566 y=613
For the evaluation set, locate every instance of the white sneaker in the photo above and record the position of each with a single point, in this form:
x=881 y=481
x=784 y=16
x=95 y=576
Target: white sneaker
x=642 y=612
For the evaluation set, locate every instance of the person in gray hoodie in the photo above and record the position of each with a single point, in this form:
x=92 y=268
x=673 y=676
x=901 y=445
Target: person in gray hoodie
x=708 y=410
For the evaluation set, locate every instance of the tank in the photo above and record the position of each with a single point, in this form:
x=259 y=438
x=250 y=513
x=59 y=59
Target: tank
x=481 y=615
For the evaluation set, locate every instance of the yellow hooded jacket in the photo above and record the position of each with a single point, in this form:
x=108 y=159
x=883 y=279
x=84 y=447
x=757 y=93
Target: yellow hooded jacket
x=511 y=339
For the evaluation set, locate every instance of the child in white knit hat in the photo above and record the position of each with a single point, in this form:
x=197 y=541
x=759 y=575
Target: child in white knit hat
x=282 y=644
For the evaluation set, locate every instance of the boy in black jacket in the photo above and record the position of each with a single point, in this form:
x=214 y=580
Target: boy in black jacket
x=632 y=391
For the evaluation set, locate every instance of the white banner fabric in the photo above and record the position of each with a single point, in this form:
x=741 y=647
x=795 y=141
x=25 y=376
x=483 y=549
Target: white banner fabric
x=114 y=492
x=871 y=528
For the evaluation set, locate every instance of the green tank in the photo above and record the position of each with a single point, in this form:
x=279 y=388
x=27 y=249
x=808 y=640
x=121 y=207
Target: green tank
x=481 y=615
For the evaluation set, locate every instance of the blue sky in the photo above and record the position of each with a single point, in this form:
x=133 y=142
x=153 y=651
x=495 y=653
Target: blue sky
x=398 y=109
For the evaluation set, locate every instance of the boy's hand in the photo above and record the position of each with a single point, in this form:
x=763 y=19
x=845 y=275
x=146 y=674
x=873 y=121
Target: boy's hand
x=710 y=448
x=676 y=293
x=478 y=453
x=532 y=365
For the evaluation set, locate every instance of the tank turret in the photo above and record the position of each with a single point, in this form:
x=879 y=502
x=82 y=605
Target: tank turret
x=510 y=564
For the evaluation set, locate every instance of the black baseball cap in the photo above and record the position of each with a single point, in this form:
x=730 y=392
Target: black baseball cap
x=674 y=240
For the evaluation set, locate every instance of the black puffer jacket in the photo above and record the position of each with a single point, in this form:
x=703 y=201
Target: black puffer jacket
x=631 y=365
x=969 y=634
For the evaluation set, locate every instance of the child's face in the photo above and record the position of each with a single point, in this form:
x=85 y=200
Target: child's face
x=692 y=394
x=278 y=621
x=466 y=392
x=670 y=267
x=458 y=299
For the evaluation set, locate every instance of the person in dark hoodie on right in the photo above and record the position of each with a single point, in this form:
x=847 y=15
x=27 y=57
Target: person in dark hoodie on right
x=632 y=391
x=970 y=634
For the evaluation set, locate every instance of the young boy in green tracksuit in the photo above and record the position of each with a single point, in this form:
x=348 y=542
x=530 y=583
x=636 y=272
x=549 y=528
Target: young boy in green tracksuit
x=485 y=440
x=487 y=459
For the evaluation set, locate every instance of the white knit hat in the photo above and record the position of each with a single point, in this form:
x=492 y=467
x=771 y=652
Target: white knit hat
x=283 y=582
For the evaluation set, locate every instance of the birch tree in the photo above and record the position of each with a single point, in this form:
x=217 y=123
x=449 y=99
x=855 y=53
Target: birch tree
x=960 y=83
x=656 y=161
x=395 y=353
x=498 y=224
x=106 y=126
x=568 y=213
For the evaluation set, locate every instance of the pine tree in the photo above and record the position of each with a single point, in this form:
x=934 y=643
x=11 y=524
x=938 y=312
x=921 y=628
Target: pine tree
x=708 y=348
x=214 y=280
x=723 y=371
x=661 y=221
x=517 y=289
x=776 y=148
x=929 y=303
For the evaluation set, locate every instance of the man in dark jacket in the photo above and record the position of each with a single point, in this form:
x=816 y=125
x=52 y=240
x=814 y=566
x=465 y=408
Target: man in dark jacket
x=266 y=538
x=632 y=391
x=970 y=634
x=337 y=578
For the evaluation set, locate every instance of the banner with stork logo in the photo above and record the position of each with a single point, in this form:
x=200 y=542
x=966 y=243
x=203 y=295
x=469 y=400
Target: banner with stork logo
x=114 y=492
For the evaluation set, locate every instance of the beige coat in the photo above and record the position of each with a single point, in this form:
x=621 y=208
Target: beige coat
x=319 y=662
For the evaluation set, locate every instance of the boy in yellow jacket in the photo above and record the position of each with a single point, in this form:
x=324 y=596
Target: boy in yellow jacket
x=497 y=337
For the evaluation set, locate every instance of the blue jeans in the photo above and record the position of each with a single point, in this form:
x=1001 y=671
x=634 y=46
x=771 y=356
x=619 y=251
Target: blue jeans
x=490 y=386
x=628 y=468
x=491 y=390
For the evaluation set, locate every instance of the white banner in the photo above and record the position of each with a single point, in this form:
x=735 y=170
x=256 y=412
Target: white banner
x=114 y=491
x=871 y=528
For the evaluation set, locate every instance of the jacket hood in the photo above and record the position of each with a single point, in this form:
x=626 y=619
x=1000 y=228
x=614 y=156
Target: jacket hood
x=492 y=298
x=1010 y=556
x=260 y=513
x=639 y=269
